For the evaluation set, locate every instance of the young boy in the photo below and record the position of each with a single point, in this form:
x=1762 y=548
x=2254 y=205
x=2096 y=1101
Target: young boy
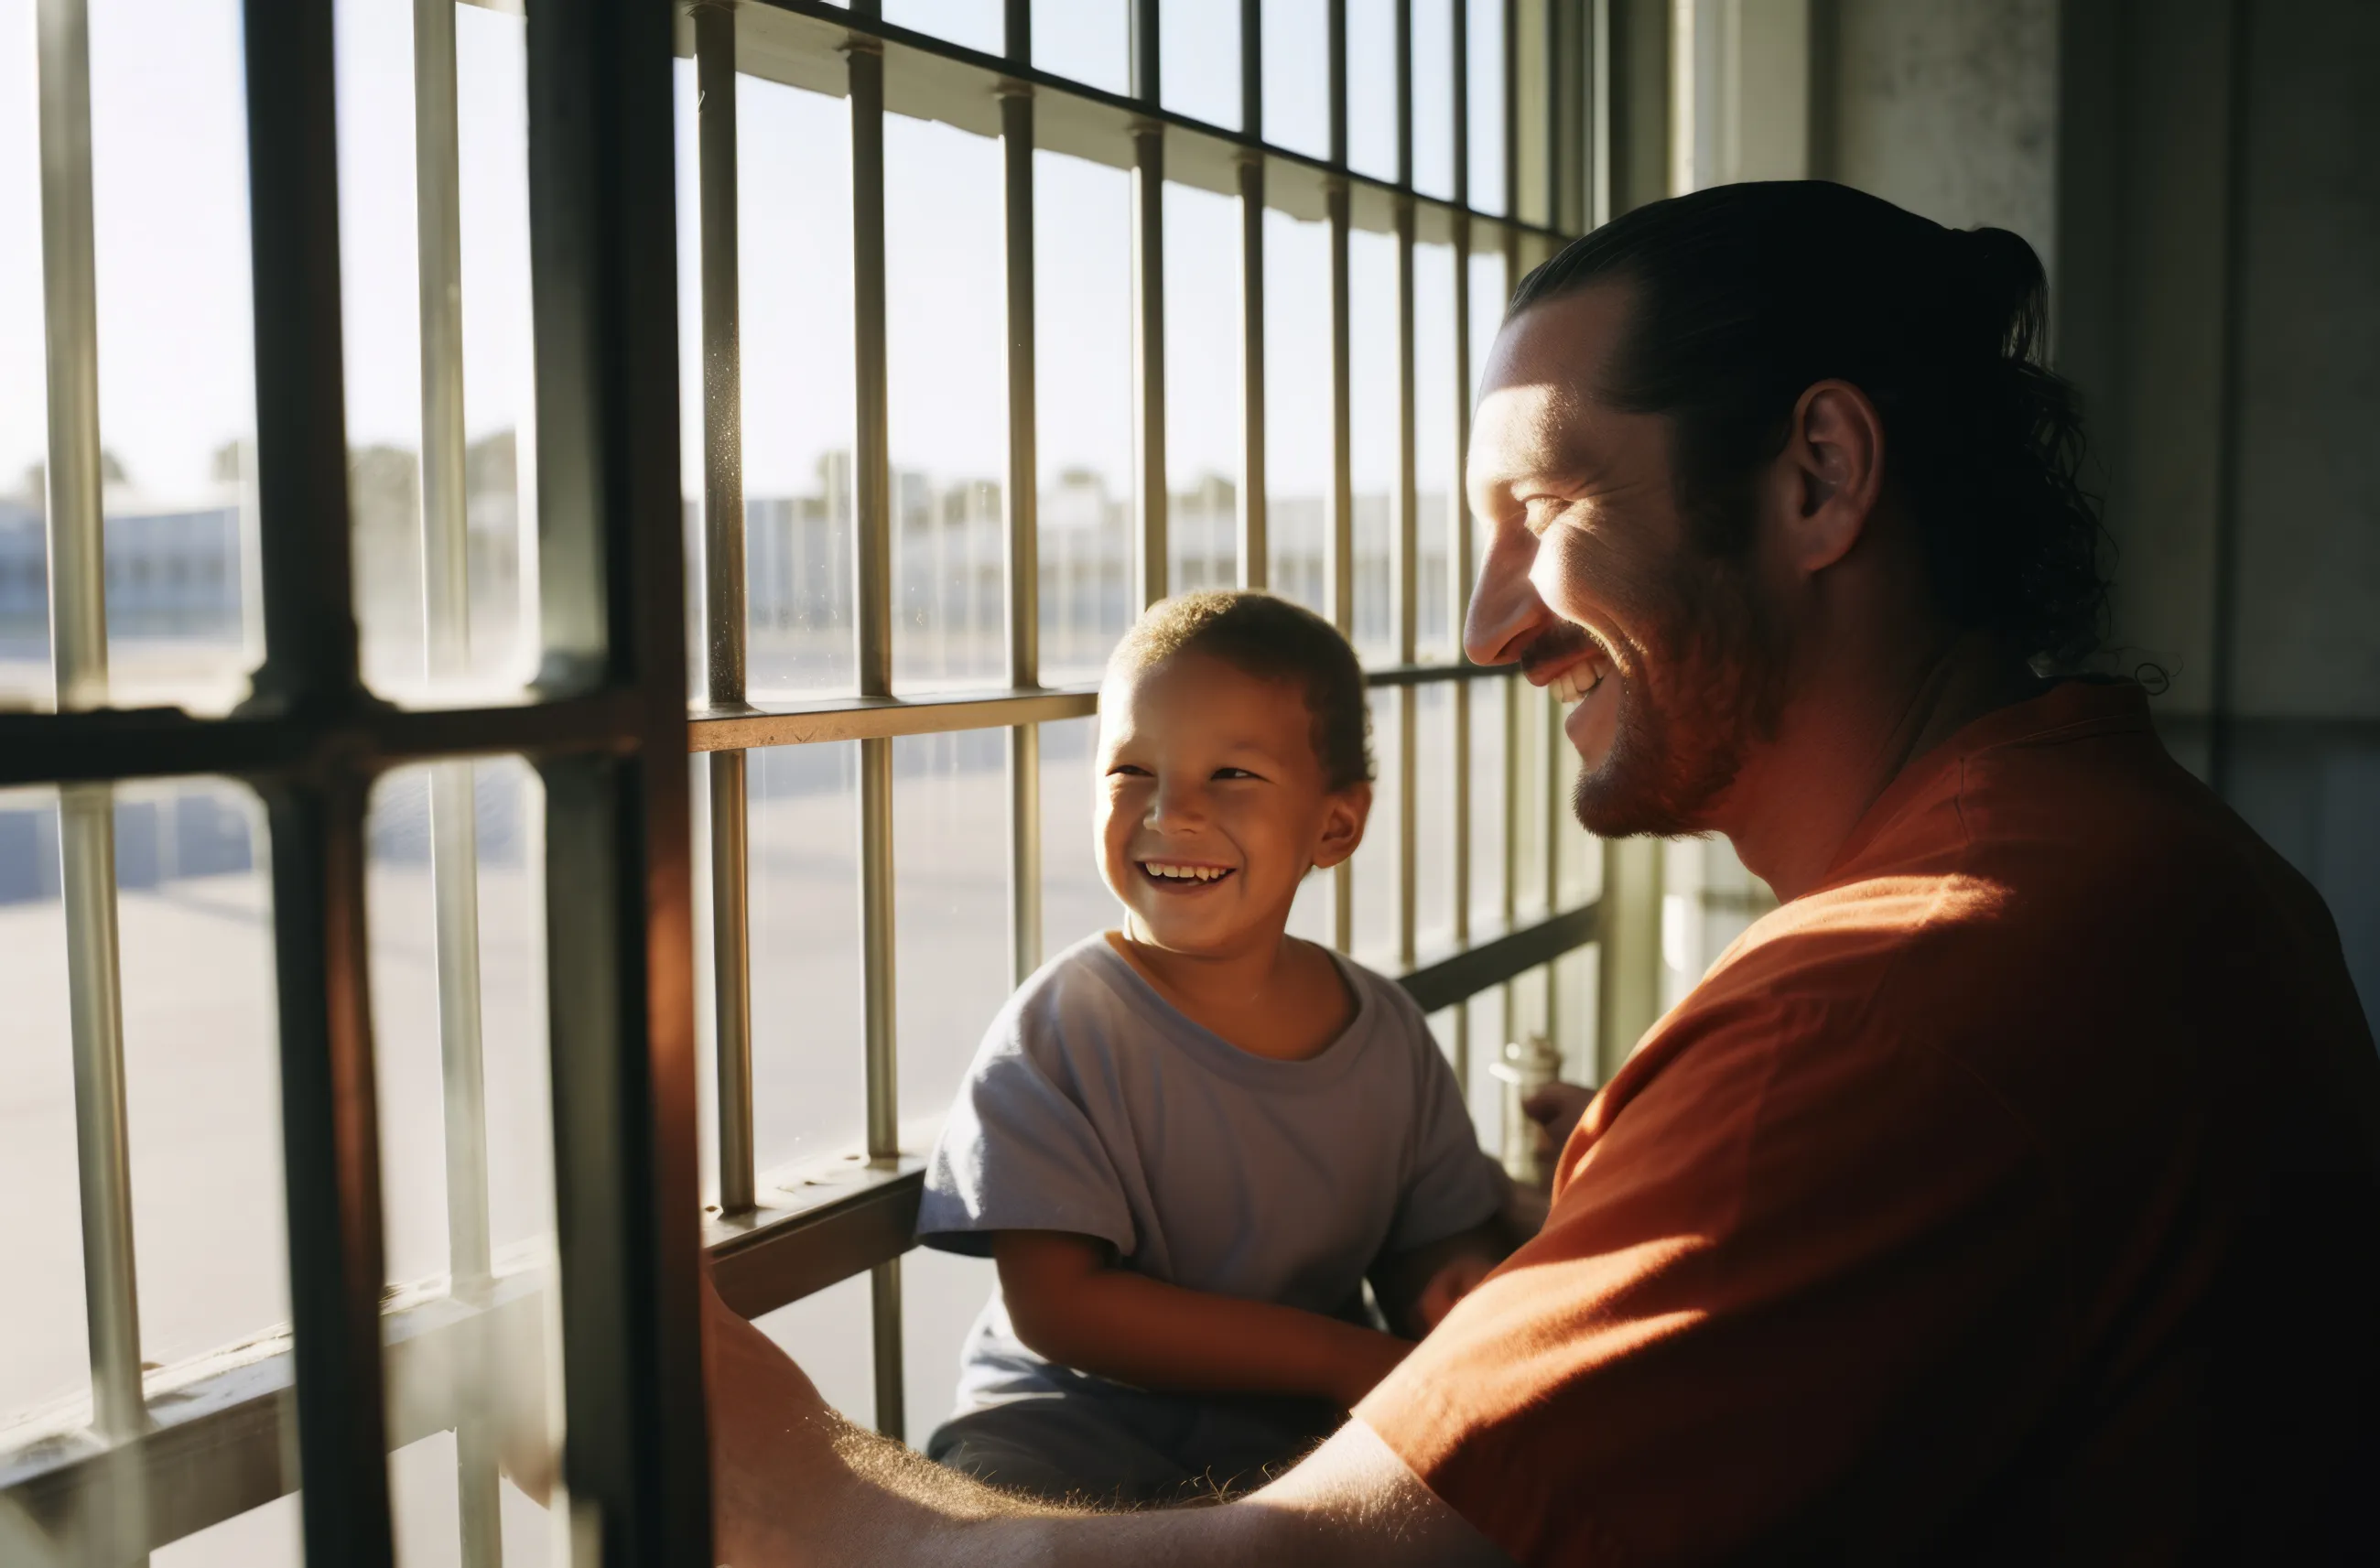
x=1188 y=1142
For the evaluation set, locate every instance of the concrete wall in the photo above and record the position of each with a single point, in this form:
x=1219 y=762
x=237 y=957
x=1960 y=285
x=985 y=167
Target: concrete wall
x=1948 y=107
x=2219 y=170
x=2203 y=180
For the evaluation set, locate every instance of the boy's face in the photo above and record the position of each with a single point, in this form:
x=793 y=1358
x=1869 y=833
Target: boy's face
x=1213 y=803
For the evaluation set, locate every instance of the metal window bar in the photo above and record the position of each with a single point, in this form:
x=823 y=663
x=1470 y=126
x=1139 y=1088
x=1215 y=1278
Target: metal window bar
x=1254 y=533
x=1339 y=546
x=610 y=675
x=723 y=599
x=1405 y=525
x=1458 y=517
x=873 y=627
x=453 y=845
x=1022 y=558
x=87 y=812
x=1148 y=310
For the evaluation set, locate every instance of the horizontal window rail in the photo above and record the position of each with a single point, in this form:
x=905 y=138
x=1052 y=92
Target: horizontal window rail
x=872 y=718
x=356 y=732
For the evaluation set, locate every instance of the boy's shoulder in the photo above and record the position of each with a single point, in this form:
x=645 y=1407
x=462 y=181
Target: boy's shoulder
x=1385 y=1000
x=1078 y=985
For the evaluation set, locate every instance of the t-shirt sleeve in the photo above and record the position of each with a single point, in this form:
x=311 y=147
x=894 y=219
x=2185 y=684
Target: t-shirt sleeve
x=1770 y=1318
x=1451 y=1185
x=1019 y=1152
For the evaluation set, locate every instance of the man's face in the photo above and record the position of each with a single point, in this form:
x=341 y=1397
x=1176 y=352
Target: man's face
x=1590 y=580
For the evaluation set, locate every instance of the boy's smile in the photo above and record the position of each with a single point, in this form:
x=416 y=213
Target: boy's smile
x=1213 y=803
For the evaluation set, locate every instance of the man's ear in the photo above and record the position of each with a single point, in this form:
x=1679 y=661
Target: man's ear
x=1829 y=475
x=1344 y=811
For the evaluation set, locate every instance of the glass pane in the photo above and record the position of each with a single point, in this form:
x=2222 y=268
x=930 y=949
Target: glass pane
x=1198 y=45
x=425 y=1498
x=1297 y=405
x=261 y=1537
x=1433 y=97
x=1377 y=865
x=1435 y=760
x=1527 y=715
x=940 y=1294
x=24 y=421
x=1438 y=465
x=455 y=913
x=1202 y=387
x=827 y=1333
x=976 y=23
x=793 y=205
x=1372 y=88
x=1087 y=40
x=1489 y=290
x=1485 y=1091
x=203 y=1087
x=1083 y=350
x=1574 y=979
x=45 y=1371
x=1488 y=705
x=1074 y=899
x=1372 y=388
x=1297 y=76
x=949 y=904
x=808 y=1083
x=1487 y=129
x=381 y=295
x=176 y=386
x=945 y=322
x=496 y=863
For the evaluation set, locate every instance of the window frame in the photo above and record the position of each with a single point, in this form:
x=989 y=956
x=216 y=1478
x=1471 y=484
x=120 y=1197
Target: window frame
x=610 y=723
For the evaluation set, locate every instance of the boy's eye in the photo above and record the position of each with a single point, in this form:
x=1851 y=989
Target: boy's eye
x=1128 y=770
x=1233 y=774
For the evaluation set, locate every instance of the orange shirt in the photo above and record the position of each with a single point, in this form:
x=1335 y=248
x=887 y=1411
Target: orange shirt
x=2010 y=1198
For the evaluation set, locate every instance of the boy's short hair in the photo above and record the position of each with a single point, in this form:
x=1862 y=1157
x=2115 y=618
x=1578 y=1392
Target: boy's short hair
x=1272 y=640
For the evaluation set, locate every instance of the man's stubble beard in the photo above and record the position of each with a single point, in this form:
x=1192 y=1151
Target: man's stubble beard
x=1675 y=751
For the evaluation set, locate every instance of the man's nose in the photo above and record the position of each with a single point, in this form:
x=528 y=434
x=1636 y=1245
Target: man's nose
x=1506 y=610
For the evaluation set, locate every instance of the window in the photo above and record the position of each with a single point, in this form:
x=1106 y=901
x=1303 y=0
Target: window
x=982 y=343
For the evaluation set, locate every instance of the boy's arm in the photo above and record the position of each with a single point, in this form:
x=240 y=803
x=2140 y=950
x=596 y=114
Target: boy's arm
x=1418 y=1286
x=1069 y=1303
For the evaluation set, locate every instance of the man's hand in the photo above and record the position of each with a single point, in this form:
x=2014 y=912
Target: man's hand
x=1556 y=1109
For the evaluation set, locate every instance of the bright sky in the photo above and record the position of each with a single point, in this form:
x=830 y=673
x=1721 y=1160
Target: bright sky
x=171 y=215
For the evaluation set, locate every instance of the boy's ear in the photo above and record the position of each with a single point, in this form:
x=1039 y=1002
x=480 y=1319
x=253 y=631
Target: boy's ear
x=1344 y=811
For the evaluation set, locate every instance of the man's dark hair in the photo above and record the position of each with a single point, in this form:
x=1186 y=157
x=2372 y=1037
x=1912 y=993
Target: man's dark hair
x=1745 y=295
x=1275 y=640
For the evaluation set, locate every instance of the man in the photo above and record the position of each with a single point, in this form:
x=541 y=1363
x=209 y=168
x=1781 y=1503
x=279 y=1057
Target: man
x=2010 y=1192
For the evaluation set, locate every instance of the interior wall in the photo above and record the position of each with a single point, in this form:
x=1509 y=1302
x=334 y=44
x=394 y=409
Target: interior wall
x=2202 y=181
x=2220 y=173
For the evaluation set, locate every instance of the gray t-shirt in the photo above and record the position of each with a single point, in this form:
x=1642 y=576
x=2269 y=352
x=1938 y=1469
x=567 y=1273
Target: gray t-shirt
x=1095 y=1106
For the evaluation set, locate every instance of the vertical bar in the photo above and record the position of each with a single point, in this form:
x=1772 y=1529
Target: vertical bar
x=1557 y=815
x=70 y=317
x=453 y=829
x=724 y=598
x=79 y=666
x=619 y=917
x=873 y=569
x=328 y=1117
x=1022 y=492
x=1254 y=542
x=1149 y=308
x=1458 y=519
x=1405 y=534
x=1339 y=544
x=1598 y=112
